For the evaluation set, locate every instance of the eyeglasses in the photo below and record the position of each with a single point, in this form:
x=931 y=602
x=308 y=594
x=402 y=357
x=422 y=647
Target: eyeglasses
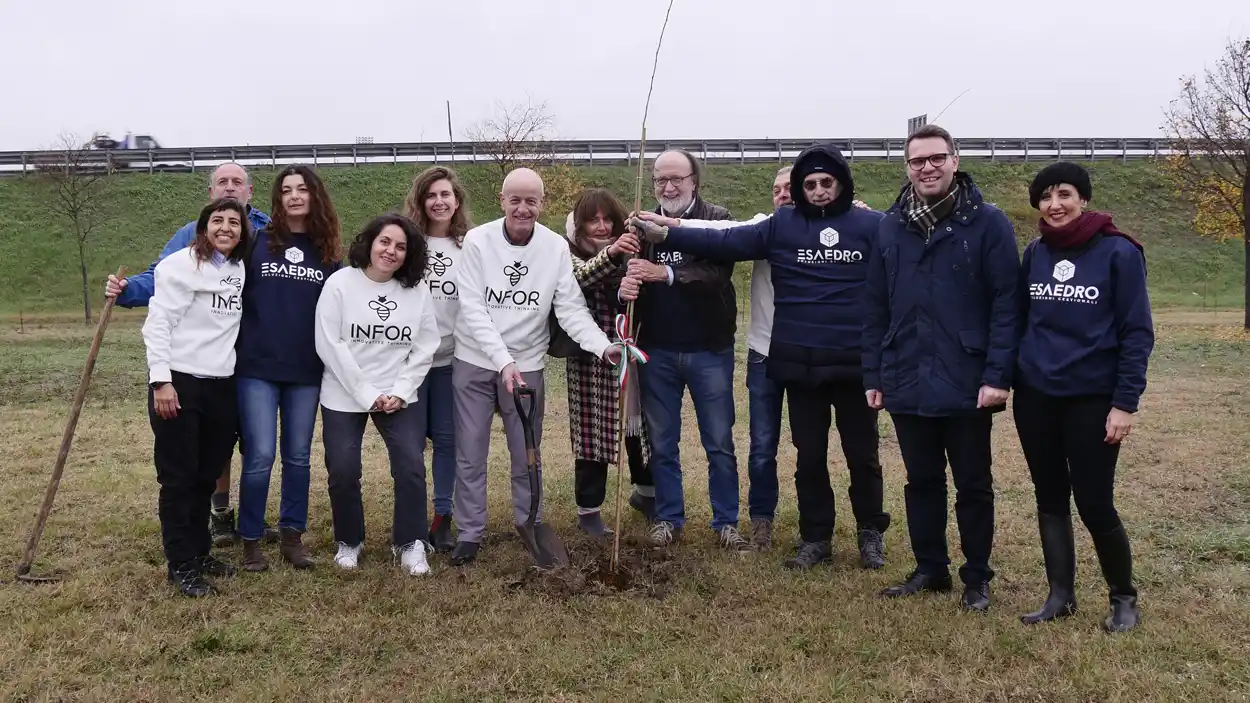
x=934 y=160
x=826 y=183
x=675 y=180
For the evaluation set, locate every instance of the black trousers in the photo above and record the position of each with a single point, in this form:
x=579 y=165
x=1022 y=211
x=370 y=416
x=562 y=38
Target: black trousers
x=189 y=450
x=926 y=443
x=1062 y=440
x=590 y=478
x=341 y=435
x=810 y=417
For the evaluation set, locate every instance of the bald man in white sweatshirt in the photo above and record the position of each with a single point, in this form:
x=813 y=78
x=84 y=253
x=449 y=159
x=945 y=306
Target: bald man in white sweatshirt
x=514 y=272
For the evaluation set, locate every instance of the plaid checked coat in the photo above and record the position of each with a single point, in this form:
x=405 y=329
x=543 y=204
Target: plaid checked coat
x=593 y=386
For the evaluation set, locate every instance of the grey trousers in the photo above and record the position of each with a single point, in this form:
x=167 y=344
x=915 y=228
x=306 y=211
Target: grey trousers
x=475 y=392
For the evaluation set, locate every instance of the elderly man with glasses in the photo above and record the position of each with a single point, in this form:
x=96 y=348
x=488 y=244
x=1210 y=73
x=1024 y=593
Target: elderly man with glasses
x=687 y=315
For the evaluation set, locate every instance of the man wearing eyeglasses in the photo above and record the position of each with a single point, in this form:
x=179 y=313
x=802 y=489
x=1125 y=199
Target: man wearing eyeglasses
x=817 y=250
x=940 y=344
x=687 y=316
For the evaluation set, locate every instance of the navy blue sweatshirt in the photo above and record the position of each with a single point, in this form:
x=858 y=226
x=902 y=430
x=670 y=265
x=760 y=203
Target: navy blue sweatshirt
x=819 y=259
x=280 y=292
x=1088 y=328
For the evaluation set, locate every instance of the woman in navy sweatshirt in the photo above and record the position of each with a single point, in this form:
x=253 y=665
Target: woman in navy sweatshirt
x=278 y=370
x=1088 y=334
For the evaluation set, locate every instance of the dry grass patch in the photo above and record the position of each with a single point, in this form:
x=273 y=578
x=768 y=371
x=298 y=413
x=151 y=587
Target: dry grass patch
x=695 y=622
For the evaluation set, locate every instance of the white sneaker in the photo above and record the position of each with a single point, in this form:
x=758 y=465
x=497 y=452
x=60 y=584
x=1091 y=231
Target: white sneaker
x=348 y=557
x=412 y=558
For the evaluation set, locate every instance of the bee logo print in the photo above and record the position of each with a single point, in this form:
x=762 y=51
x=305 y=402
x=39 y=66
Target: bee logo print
x=515 y=271
x=383 y=307
x=439 y=263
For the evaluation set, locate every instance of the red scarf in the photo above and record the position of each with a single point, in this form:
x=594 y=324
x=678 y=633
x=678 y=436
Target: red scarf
x=1076 y=233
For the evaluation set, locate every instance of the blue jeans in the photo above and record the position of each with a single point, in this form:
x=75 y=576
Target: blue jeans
x=259 y=406
x=709 y=376
x=437 y=421
x=764 y=397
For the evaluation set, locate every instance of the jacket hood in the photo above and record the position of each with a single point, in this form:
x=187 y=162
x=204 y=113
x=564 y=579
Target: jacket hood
x=826 y=158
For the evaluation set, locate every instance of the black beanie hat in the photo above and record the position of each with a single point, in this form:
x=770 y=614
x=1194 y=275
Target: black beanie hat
x=1062 y=172
x=820 y=162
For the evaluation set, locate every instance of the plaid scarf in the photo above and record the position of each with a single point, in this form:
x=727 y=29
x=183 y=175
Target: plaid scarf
x=926 y=216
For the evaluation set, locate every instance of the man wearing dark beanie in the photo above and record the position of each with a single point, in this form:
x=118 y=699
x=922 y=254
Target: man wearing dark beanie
x=939 y=350
x=817 y=249
x=1088 y=335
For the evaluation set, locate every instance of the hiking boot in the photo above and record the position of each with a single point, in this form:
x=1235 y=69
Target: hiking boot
x=918 y=583
x=221 y=527
x=976 y=597
x=645 y=505
x=810 y=554
x=732 y=539
x=1116 y=559
x=871 y=549
x=663 y=533
x=270 y=533
x=592 y=524
x=348 y=557
x=212 y=566
x=190 y=581
x=762 y=533
x=293 y=549
x=253 y=558
x=1059 y=553
x=464 y=553
x=412 y=558
x=440 y=534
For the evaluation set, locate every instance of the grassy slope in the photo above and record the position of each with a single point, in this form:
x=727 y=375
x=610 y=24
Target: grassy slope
x=38 y=266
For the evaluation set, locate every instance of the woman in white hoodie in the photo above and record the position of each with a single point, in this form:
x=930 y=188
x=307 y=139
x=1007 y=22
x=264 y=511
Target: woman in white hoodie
x=377 y=335
x=193 y=321
x=437 y=203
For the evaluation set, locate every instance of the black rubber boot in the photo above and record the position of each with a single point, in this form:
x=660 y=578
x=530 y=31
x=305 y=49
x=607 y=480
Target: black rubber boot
x=592 y=524
x=1059 y=551
x=440 y=534
x=1116 y=558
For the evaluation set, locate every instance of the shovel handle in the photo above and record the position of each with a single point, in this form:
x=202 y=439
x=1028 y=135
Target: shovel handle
x=531 y=449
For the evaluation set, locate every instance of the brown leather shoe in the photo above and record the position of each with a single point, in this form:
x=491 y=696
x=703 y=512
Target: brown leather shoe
x=253 y=557
x=293 y=549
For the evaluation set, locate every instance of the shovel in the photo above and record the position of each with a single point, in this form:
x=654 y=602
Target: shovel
x=541 y=541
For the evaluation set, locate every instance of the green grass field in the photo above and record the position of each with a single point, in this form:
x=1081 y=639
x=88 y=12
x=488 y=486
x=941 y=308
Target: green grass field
x=39 y=266
x=698 y=623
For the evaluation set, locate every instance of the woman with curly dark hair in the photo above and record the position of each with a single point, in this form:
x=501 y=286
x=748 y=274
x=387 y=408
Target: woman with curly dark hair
x=377 y=334
x=599 y=247
x=437 y=204
x=278 y=370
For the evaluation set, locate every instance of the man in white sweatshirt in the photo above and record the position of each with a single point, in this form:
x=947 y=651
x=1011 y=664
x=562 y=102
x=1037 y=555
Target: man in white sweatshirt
x=514 y=272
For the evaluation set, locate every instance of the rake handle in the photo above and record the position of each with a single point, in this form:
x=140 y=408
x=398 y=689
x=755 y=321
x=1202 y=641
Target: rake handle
x=67 y=438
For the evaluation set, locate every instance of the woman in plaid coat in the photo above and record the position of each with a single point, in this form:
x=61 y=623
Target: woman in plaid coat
x=599 y=247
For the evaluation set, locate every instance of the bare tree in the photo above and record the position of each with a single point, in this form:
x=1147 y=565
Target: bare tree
x=78 y=190
x=1210 y=126
x=519 y=134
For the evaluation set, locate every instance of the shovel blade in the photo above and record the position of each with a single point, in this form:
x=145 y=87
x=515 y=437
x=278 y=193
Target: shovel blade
x=543 y=545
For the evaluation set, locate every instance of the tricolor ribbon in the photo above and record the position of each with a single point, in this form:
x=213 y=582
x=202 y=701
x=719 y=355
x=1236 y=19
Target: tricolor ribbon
x=629 y=350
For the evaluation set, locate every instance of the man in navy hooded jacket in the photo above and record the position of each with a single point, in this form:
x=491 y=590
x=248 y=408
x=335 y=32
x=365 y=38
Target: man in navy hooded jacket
x=939 y=350
x=818 y=249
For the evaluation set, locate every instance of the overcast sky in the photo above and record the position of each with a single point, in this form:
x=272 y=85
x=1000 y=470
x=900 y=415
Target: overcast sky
x=322 y=71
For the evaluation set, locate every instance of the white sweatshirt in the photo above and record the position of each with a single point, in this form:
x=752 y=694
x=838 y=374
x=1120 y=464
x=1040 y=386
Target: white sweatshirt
x=507 y=293
x=441 y=274
x=193 y=317
x=374 y=338
x=760 y=333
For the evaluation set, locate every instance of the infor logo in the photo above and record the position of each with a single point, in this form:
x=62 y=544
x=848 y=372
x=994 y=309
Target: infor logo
x=829 y=236
x=1064 y=271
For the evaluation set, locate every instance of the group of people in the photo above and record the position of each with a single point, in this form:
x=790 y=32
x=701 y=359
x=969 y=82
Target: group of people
x=429 y=326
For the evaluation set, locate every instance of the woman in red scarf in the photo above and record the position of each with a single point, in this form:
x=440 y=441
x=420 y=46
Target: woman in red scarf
x=1088 y=335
